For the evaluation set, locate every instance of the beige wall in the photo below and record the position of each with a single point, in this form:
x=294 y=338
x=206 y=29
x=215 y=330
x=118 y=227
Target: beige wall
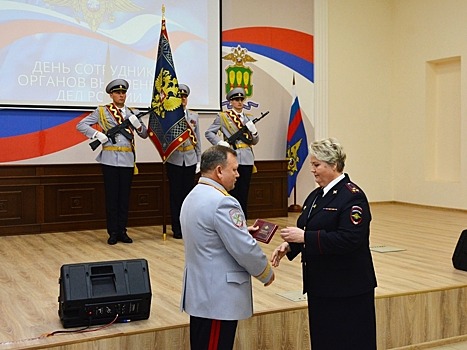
x=429 y=113
x=396 y=82
x=360 y=74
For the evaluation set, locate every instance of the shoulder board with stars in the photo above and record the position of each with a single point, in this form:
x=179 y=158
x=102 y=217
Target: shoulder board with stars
x=352 y=187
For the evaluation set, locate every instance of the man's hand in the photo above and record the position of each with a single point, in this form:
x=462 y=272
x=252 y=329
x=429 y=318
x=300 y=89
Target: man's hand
x=135 y=122
x=273 y=277
x=101 y=137
x=223 y=143
x=251 y=127
x=253 y=229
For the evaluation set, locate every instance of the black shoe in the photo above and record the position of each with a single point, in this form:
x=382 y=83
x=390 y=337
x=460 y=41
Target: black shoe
x=112 y=239
x=125 y=238
x=178 y=236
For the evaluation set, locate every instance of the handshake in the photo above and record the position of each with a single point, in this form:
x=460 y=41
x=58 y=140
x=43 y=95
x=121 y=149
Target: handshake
x=101 y=138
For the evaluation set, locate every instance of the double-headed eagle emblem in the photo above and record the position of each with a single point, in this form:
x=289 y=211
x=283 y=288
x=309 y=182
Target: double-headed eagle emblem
x=167 y=98
x=239 y=56
x=96 y=12
x=239 y=75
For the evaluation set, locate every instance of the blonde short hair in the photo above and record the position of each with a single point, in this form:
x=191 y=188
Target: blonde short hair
x=330 y=151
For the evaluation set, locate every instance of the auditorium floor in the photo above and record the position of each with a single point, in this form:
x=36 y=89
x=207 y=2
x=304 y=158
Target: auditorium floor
x=408 y=280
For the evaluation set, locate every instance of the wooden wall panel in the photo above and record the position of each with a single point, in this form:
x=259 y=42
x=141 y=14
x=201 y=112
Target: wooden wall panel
x=50 y=198
x=17 y=205
x=18 y=200
x=268 y=190
x=275 y=330
x=415 y=318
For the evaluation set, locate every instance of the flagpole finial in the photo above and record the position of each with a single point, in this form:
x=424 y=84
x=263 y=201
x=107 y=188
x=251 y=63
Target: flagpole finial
x=163 y=11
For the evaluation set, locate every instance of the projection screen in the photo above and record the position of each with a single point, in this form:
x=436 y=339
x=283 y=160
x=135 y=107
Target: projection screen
x=62 y=53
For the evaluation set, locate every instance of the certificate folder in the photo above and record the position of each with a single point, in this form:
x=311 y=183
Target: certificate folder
x=265 y=232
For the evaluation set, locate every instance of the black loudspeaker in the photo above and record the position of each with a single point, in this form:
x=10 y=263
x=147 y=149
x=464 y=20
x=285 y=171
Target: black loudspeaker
x=98 y=292
x=459 y=258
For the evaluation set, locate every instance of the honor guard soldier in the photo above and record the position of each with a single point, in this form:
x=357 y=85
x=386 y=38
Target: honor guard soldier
x=228 y=123
x=117 y=156
x=183 y=164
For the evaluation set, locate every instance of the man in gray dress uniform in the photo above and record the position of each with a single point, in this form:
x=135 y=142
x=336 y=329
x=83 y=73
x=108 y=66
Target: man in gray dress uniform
x=117 y=159
x=183 y=164
x=228 y=123
x=220 y=255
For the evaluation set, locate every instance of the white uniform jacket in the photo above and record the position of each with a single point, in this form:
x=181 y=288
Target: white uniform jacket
x=220 y=255
x=244 y=153
x=125 y=157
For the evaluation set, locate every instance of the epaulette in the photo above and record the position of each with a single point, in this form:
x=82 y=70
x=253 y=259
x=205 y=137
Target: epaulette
x=352 y=187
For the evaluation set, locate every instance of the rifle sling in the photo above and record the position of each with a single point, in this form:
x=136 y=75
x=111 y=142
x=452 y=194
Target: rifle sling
x=106 y=126
x=226 y=118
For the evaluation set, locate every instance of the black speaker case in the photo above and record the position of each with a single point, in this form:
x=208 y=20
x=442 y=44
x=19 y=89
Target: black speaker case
x=120 y=288
x=459 y=258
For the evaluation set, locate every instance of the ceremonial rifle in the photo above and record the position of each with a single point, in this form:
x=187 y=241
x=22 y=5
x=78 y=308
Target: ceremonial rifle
x=240 y=134
x=120 y=129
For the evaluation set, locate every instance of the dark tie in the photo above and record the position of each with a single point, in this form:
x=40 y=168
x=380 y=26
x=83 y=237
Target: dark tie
x=318 y=197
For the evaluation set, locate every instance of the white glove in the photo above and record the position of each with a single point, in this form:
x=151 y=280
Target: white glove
x=223 y=143
x=251 y=127
x=135 y=121
x=100 y=136
x=198 y=168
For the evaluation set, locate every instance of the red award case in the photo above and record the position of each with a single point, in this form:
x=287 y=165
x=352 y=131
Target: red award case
x=265 y=232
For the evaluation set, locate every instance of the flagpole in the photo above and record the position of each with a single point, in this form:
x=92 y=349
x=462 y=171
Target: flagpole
x=168 y=128
x=295 y=208
x=164 y=211
x=164 y=223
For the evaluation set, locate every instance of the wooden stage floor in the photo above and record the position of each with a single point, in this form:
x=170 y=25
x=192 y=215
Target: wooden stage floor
x=421 y=298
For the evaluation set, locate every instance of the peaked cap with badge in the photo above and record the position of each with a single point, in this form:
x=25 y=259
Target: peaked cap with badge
x=236 y=92
x=184 y=89
x=117 y=85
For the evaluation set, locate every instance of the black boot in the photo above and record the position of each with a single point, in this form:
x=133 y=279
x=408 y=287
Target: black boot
x=123 y=237
x=112 y=238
